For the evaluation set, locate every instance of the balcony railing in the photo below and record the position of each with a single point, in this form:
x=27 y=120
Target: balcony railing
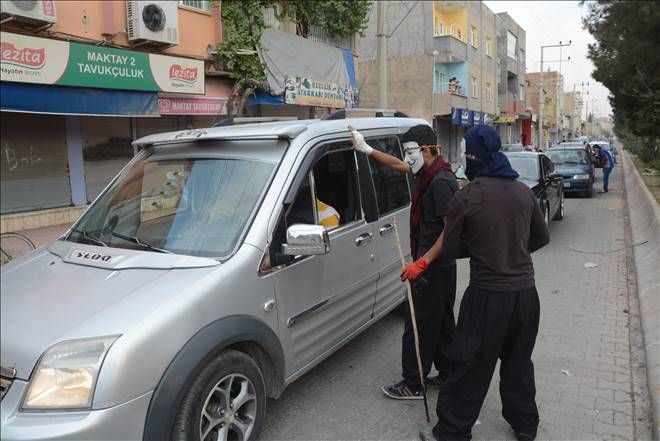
x=320 y=36
x=443 y=31
x=313 y=33
x=452 y=88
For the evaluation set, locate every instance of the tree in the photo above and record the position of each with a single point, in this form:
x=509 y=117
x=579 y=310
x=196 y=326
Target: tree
x=627 y=62
x=243 y=23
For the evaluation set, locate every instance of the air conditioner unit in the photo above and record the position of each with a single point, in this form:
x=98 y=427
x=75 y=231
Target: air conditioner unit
x=153 y=22
x=29 y=11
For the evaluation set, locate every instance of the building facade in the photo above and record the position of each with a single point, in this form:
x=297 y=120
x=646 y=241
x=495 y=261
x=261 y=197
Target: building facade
x=553 y=98
x=514 y=122
x=441 y=66
x=81 y=80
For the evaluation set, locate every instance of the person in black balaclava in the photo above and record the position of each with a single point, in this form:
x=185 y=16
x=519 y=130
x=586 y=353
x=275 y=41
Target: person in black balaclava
x=496 y=222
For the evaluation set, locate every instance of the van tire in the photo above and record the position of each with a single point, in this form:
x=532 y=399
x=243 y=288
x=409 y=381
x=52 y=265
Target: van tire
x=236 y=373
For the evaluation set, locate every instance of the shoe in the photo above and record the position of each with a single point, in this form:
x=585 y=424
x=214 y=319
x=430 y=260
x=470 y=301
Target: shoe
x=603 y=191
x=523 y=436
x=402 y=391
x=434 y=382
x=426 y=433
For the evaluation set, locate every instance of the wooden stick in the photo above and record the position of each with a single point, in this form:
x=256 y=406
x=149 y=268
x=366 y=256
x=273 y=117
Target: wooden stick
x=413 y=319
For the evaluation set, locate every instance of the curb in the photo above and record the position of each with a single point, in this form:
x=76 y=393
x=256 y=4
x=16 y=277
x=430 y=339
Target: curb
x=644 y=214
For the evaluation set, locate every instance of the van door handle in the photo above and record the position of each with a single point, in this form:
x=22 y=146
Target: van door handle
x=387 y=228
x=363 y=238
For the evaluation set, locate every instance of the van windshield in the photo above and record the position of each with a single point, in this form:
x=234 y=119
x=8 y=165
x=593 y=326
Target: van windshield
x=197 y=207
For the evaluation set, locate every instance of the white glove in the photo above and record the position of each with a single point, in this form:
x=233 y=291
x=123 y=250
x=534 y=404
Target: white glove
x=359 y=143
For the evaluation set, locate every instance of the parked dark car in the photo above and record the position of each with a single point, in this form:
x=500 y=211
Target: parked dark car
x=574 y=164
x=537 y=171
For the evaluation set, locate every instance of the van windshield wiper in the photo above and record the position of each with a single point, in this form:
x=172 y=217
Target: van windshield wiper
x=89 y=237
x=140 y=242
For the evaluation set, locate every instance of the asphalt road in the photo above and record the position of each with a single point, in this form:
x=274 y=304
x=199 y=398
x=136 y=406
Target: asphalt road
x=589 y=370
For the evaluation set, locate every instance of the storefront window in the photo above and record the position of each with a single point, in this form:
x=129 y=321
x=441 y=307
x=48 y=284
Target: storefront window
x=106 y=149
x=34 y=166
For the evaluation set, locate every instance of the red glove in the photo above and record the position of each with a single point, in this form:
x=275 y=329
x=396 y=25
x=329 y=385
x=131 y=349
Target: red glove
x=414 y=270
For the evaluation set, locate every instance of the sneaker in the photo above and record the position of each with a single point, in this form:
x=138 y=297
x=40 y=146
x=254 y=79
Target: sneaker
x=529 y=435
x=426 y=433
x=434 y=382
x=402 y=391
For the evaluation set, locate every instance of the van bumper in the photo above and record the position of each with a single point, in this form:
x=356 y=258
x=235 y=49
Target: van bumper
x=122 y=422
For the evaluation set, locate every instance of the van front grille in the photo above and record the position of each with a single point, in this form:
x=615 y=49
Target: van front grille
x=6 y=379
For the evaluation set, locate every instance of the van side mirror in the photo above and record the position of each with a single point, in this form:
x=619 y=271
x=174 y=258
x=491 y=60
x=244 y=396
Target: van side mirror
x=306 y=240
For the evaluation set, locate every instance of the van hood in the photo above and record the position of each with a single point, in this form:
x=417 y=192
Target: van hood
x=49 y=293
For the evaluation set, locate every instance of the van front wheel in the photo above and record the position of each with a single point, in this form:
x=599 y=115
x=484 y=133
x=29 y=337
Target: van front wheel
x=226 y=401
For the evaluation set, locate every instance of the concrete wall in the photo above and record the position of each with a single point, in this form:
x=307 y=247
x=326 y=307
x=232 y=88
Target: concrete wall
x=644 y=215
x=410 y=85
x=89 y=20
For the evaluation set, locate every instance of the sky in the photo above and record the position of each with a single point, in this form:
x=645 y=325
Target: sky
x=548 y=23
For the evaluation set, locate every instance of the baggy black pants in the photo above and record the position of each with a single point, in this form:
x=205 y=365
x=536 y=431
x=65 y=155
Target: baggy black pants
x=491 y=325
x=434 y=309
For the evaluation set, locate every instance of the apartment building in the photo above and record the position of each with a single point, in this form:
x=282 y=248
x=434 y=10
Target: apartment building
x=442 y=66
x=81 y=80
x=553 y=98
x=514 y=120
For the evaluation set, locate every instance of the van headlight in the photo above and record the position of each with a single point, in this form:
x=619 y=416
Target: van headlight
x=66 y=375
x=581 y=177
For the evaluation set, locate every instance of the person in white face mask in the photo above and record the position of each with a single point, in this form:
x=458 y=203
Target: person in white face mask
x=434 y=294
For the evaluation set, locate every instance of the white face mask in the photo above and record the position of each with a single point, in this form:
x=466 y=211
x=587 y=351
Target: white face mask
x=413 y=156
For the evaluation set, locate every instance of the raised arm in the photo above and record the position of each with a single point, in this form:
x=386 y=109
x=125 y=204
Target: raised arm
x=383 y=158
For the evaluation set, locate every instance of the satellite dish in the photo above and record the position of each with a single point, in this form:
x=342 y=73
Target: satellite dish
x=153 y=17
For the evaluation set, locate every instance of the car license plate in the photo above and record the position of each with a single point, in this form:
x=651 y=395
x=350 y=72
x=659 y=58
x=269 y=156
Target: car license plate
x=567 y=184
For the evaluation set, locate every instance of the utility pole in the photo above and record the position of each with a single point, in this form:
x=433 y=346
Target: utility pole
x=573 y=113
x=381 y=38
x=541 y=95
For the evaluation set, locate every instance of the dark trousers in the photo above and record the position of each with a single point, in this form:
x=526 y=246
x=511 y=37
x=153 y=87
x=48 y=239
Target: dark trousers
x=491 y=325
x=606 y=177
x=433 y=297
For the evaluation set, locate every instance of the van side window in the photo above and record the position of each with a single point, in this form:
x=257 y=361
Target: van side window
x=391 y=186
x=336 y=189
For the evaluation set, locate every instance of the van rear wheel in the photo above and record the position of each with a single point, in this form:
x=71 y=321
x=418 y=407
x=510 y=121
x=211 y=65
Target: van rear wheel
x=226 y=401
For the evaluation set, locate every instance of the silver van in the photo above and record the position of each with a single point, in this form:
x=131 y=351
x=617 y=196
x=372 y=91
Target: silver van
x=201 y=282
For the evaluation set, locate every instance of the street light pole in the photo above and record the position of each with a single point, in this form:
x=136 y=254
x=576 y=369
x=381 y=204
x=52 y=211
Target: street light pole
x=541 y=95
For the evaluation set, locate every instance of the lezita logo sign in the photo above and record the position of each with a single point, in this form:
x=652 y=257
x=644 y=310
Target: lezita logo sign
x=183 y=74
x=25 y=57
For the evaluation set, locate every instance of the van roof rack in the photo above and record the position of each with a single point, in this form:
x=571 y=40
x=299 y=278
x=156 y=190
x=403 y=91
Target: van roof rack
x=378 y=113
x=252 y=120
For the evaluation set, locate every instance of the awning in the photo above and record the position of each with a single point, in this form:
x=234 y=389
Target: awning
x=260 y=98
x=286 y=54
x=63 y=100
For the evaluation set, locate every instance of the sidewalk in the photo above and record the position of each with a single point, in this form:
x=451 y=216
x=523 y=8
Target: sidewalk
x=39 y=236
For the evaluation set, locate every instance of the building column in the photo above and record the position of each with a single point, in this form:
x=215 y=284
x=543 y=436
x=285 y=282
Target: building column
x=74 y=149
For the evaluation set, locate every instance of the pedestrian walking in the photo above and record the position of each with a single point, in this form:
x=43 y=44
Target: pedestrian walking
x=496 y=222
x=434 y=294
x=608 y=163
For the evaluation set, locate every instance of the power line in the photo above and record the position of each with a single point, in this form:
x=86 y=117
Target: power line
x=404 y=17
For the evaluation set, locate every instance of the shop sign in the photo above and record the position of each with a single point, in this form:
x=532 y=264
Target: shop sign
x=461 y=117
x=477 y=118
x=307 y=92
x=28 y=59
x=488 y=118
x=192 y=106
x=503 y=119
